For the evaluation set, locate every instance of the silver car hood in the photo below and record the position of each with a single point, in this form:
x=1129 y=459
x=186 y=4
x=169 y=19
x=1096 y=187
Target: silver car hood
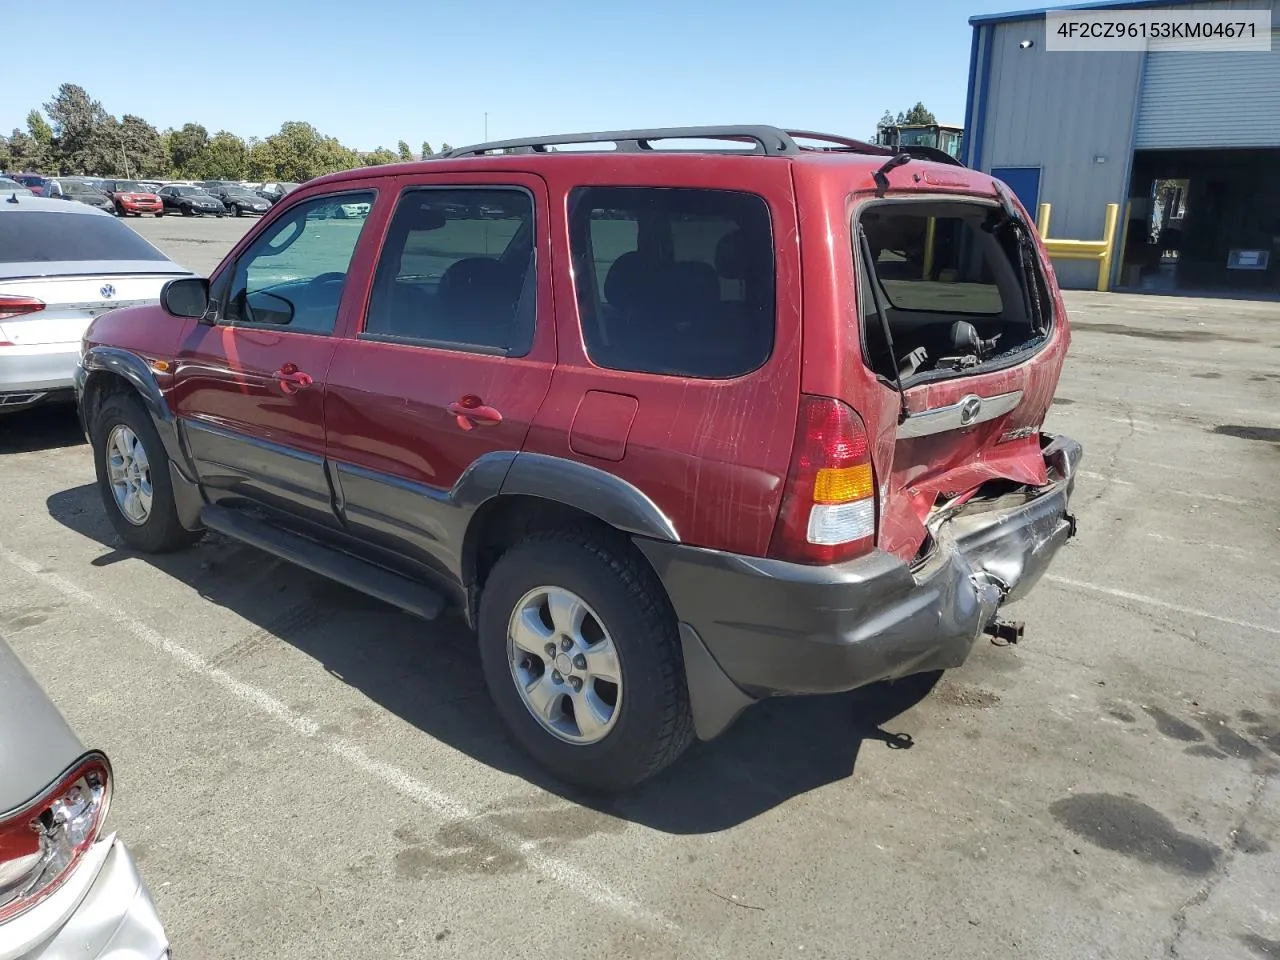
x=36 y=742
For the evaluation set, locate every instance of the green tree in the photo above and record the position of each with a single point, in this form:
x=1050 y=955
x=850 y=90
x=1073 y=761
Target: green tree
x=41 y=133
x=187 y=149
x=886 y=120
x=402 y=149
x=299 y=152
x=445 y=148
x=426 y=149
x=376 y=158
x=23 y=151
x=917 y=114
x=143 y=147
x=82 y=134
x=226 y=157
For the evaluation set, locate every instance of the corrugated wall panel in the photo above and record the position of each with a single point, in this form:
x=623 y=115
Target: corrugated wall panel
x=1060 y=112
x=1202 y=99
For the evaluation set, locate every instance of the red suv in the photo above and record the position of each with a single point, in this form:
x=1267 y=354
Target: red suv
x=716 y=415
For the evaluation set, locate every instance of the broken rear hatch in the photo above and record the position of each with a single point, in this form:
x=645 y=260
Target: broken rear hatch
x=959 y=313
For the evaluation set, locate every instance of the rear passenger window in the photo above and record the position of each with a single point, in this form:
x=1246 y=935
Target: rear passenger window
x=457 y=271
x=674 y=281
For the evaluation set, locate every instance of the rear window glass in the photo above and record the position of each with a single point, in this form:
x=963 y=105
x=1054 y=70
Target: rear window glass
x=931 y=263
x=674 y=281
x=42 y=237
x=959 y=282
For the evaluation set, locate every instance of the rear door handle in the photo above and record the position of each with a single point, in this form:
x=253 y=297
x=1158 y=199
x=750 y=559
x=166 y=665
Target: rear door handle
x=291 y=379
x=471 y=410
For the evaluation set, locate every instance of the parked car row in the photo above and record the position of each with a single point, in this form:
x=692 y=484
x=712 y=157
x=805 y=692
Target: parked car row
x=140 y=197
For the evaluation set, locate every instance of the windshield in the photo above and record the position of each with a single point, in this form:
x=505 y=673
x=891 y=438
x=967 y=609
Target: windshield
x=29 y=180
x=129 y=186
x=241 y=192
x=75 y=186
x=41 y=236
x=187 y=191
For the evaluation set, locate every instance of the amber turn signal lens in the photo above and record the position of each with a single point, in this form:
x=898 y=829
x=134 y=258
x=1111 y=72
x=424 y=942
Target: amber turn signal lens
x=843 y=484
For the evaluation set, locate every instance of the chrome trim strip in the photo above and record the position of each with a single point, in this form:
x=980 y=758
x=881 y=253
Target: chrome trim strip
x=967 y=412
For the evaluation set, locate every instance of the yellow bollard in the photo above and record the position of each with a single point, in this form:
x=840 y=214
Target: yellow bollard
x=930 y=230
x=1102 y=251
x=1109 y=238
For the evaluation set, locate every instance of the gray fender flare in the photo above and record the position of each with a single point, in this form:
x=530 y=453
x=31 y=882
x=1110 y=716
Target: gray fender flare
x=612 y=499
x=132 y=368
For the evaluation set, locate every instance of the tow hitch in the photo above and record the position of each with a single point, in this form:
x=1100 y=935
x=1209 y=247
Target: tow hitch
x=1005 y=633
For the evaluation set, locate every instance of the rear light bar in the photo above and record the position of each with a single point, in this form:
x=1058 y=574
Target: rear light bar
x=828 y=510
x=12 y=305
x=41 y=843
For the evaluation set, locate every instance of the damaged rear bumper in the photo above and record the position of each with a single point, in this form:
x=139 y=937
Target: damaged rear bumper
x=753 y=627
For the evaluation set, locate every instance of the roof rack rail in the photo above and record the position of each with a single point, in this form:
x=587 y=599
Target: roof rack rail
x=766 y=140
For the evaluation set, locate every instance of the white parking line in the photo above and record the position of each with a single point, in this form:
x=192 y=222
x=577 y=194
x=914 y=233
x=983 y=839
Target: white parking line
x=1162 y=604
x=449 y=808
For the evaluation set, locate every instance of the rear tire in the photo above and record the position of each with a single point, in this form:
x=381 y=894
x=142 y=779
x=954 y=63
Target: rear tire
x=130 y=459
x=239 y=212
x=648 y=723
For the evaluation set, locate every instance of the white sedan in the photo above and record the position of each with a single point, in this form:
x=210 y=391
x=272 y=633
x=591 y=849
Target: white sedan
x=62 y=264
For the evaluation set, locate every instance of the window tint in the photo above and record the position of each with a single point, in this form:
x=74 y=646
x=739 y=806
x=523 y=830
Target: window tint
x=674 y=281
x=41 y=236
x=293 y=274
x=457 y=270
x=931 y=263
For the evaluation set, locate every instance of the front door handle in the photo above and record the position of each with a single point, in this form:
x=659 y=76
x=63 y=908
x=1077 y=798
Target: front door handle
x=471 y=410
x=291 y=379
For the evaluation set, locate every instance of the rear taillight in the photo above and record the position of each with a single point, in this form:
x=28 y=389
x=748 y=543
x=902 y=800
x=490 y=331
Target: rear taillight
x=828 y=511
x=15 y=306
x=41 y=844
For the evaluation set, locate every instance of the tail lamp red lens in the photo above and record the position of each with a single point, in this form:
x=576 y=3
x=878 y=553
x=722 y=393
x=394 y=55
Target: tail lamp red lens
x=828 y=510
x=41 y=843
x=14 y=306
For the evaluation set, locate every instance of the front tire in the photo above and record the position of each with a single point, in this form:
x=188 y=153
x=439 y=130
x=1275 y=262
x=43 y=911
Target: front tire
x=133 y=477
x=239 y=212
x=582 y=658
x=160 y=213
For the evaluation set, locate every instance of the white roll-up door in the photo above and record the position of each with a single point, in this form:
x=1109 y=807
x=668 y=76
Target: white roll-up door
x=1219 y=99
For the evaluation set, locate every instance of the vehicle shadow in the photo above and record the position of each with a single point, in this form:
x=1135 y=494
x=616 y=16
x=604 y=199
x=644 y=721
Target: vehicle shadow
x=429 y=675
x=46 y=427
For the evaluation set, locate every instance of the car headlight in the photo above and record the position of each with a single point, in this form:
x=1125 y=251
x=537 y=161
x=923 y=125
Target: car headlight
x=41 y=843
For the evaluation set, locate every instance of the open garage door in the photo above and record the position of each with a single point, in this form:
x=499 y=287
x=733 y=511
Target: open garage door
x=1202 y=99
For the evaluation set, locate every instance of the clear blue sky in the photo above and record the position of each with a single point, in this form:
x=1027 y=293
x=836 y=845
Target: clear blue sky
x=371 y=72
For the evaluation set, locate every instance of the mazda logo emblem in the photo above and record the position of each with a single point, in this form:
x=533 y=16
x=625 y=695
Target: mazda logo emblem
x=970 y=407
x=107 y=291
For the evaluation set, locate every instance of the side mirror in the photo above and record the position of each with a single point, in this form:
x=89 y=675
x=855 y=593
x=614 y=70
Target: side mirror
x=186 y=297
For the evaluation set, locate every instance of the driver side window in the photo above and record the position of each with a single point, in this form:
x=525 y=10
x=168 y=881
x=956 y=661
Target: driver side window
x=293 y=274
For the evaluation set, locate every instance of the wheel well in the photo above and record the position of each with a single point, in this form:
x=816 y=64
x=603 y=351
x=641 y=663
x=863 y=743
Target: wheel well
x=504 y=521
x=99 y=385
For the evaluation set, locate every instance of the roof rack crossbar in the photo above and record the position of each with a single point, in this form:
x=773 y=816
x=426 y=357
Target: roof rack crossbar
x=769 y=141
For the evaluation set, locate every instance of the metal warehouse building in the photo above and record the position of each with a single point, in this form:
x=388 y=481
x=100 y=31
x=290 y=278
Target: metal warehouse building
x=1187 y=143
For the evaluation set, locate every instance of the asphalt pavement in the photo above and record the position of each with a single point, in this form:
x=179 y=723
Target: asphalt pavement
x=303 y=772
